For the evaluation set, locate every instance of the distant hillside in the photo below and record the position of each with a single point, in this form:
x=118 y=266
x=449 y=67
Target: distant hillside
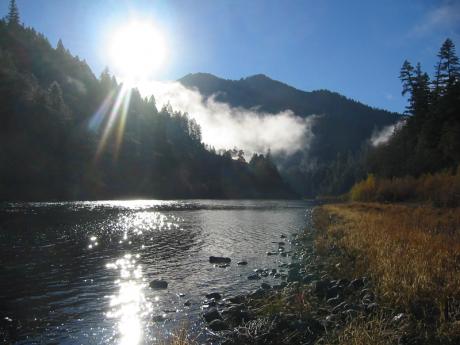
x=341 y=131
x=345 y=123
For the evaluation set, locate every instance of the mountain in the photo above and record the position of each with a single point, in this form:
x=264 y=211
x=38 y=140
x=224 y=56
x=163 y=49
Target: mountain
x=341 y=130
x=54 y=144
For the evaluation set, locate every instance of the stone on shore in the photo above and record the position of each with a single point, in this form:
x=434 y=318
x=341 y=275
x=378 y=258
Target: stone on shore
x=211 y=315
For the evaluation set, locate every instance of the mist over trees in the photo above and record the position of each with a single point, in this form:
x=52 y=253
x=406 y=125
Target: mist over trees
x=54 y=114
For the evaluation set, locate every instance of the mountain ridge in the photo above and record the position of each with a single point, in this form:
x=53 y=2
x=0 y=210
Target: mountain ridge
x=195 y=79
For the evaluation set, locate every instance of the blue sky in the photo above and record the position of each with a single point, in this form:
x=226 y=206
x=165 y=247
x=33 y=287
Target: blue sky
x=353 y=47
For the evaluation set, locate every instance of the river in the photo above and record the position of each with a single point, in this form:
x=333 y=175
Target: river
x=79 y=272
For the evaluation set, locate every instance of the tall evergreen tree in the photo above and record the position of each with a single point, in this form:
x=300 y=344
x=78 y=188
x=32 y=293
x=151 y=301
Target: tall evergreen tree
x=447 y=68
x=13 y=13
x=60 y=47
x=407 y=77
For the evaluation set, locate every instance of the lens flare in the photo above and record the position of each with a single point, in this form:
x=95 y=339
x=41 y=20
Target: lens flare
x=118 y=106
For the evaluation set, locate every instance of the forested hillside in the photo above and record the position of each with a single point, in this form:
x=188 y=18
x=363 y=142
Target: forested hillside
x=430 y=139
x=421 y=161
x=66 y=134
x=341 y=130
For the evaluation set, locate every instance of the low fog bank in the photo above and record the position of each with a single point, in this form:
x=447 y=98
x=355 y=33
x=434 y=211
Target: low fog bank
x=384 y=135
x=225 y=127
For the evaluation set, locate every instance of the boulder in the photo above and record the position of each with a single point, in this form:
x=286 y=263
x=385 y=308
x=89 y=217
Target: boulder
x=211 y=315
x=254 y=276
x=158 y=284
x=217 y=296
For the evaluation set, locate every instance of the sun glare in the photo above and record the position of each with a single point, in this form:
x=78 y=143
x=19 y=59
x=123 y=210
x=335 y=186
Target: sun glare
x=137 y=50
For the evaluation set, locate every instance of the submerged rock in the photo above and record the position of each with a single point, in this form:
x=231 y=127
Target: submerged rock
x=254 y=277
x=215 y=295
x=219 y=260
x=158 y=284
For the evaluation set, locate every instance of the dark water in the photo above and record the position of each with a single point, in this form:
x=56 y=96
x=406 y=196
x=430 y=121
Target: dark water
x=78 y=272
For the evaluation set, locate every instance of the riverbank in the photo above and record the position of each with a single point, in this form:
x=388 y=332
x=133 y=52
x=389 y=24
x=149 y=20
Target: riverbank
x=364 y=274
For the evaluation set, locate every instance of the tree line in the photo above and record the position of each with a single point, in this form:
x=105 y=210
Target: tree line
x=54 y=113
x=429 y=140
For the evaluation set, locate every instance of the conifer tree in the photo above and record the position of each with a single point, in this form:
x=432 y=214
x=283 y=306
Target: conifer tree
x=407 y=77
x=447 y=69
x=60 y=47
x=13 y=13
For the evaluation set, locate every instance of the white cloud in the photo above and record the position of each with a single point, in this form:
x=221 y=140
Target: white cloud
x=225 y=127
x=446 y=16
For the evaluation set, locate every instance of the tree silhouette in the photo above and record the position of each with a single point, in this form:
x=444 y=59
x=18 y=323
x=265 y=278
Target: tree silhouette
x=13 y=13
x=447 y=69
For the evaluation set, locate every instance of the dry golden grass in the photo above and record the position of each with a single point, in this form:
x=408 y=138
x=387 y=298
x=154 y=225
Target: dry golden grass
x=376 y=331
x=412 y=253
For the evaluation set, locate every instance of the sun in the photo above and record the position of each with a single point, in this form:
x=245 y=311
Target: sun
x=137 y=50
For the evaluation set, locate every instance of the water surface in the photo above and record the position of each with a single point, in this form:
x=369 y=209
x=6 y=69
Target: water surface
x=78 y=272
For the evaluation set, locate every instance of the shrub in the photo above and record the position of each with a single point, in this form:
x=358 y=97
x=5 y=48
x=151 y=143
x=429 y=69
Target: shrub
x=440 y=189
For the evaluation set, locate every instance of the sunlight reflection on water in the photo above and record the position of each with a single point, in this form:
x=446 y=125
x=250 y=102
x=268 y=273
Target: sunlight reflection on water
x=129 y=307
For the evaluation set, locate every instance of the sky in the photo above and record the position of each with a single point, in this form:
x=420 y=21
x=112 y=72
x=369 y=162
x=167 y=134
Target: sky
x=352 y=47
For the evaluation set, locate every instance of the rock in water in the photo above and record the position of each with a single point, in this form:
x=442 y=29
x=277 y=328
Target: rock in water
x=214 y=295
x=211 y=315
x=254 y=276
x=219 y=260
x=158 y=284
